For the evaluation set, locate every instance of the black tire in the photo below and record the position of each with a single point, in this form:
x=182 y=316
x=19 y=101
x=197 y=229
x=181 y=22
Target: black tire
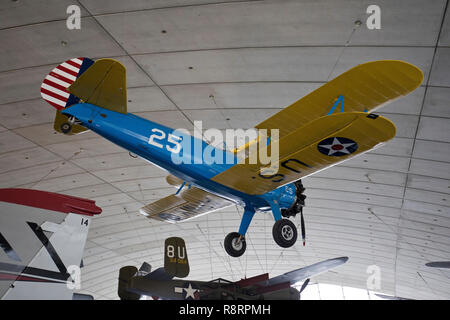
x=284 y=233
x=66 y=127
x=231 y=247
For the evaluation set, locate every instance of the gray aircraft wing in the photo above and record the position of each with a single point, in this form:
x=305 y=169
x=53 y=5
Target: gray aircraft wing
x=439 y=264
x=307 y=272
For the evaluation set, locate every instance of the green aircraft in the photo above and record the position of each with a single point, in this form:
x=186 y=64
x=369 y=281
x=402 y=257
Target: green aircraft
x=160 y=283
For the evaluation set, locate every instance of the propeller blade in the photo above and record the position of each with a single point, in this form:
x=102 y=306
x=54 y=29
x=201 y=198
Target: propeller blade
x=304 y=285
x=302 y=221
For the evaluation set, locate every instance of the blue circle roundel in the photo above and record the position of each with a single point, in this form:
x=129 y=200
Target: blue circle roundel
x=337 y=146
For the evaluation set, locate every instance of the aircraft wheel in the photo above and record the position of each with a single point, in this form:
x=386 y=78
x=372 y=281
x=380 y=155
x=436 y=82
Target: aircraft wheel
x=66 y=127
x=234 y=247
x=284 y=233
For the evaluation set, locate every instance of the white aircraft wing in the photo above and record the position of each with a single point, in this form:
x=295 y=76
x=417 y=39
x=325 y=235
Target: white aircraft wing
x=42 y=238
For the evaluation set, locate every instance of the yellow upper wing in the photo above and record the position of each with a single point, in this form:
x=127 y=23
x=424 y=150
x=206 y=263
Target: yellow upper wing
x=317 y=145
x=104 y=85
x=364 y=88
x=310 y=133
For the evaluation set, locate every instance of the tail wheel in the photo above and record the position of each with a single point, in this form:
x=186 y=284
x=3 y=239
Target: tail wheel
x=284 y=233
x=66 y=127
x=235 y=244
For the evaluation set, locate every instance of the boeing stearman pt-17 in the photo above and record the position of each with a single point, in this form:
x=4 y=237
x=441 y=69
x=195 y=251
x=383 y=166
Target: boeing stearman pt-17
x=332 y=124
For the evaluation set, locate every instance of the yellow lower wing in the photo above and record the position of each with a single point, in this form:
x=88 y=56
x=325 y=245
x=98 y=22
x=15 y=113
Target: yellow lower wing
x=363 y=88
x=317 y=145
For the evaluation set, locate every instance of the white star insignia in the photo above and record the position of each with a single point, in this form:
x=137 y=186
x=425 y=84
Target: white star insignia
x=337 y=146
x=190 y=292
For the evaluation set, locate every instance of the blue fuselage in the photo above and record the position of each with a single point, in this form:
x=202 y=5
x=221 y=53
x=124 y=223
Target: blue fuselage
x=179 y=153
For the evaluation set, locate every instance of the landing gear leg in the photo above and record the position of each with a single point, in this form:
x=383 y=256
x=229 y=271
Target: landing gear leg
x=234 y=243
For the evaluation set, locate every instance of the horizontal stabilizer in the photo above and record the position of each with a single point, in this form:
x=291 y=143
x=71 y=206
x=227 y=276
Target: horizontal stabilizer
x=103 y=85
x=125 y=276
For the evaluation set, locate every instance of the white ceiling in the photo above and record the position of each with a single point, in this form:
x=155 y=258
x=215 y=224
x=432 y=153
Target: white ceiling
x=248 y=60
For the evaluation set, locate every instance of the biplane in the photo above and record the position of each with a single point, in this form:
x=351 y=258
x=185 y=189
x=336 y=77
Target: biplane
x=332 y=124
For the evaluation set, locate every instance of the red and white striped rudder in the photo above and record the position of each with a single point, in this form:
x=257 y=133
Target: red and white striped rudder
x=54 y=87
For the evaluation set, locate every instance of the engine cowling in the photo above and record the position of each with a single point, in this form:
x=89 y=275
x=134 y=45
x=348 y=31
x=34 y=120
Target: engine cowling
x=298 y=203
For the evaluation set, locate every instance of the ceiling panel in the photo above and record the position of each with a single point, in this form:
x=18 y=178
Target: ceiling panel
x=245 y=24
x=428 y=183
x=111 y=6
x=444 y=39
x=15 y=13
x=24 y=113
x=237 y=65
x=441 y=68
x=420 y=27
x=52 y=42
x=259 y=95
x=9 y=141
x=144 y=99
x=436 y=102
x=435 y=129
x=432 y=150
x=430 y=168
